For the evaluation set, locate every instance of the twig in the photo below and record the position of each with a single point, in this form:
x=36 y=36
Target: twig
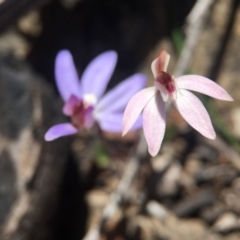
x=217 y=63
x=123 y=186
x=229 y=152
x=127 y=178
x=195 y=21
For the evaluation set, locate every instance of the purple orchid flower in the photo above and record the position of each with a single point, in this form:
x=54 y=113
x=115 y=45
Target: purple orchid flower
x=151 y=101
x=84 y=101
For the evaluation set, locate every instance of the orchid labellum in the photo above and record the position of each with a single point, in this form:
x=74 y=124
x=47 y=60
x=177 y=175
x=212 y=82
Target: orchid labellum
x=151 y=102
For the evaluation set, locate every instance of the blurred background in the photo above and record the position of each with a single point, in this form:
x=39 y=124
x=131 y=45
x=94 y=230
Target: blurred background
x=62 y=189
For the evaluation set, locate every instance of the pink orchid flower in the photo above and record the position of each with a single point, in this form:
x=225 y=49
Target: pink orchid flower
x=84 y=101
x=151 y=101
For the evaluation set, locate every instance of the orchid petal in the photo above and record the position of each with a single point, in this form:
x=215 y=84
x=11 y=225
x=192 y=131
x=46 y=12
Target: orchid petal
x=98 y=73
x=193 y=111
x=154 y=123
x=203 y=85
x=135 y=107
x=160 y=63
x=60 y=130
x=66 y=75
x=112 y=122
x=70 y=105
x=117 y=99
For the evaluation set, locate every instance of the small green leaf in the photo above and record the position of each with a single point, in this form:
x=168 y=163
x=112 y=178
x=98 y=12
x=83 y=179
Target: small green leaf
x=101 y=156
x=178 y=40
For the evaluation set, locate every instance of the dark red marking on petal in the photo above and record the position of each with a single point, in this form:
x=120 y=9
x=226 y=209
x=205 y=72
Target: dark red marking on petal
x=81 y=114
x=167 y=81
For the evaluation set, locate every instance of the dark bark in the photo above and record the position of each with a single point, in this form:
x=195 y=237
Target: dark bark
x=31 y=169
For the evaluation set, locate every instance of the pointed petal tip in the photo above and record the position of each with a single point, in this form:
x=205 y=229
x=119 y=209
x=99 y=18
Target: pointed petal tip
x=154 y=122
x=63 y=53
x=48 y=137
x=136 y=126
x=124 y=133
x=212 y=136
x=111 y=54
x=131 y=130
x=164 y=54
x=194 y=112
x=63 y=57
x=226 y=97
x=153 y=153
x=124 y=128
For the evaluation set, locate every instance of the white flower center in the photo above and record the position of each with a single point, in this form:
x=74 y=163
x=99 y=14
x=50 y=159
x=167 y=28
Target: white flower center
x=89 y=99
